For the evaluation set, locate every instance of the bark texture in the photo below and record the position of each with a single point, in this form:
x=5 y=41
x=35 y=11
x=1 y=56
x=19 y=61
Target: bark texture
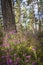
x=8 y=16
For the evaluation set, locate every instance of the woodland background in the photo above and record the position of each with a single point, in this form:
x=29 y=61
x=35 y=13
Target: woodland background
x=21 y=32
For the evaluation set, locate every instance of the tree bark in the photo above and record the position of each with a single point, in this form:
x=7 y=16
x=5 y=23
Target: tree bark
x=8 y=16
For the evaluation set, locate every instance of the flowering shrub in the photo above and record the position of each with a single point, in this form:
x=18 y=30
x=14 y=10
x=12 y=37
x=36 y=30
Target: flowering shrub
x=20 y=55
x=15 y=52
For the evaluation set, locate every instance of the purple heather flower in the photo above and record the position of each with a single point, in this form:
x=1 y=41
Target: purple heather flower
x=15 y=54
x=3 y=56
x=29 y=56
x=13 y=31
x=26 y=61
x=10 y=60
x=34 y=63
x=6 y=45
x=18 y=59
x=33 y=49
x=7 y=62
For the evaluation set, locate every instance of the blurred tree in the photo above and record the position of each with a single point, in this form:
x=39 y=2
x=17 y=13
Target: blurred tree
x=32 y=18
x=29 y=1
x=8 y=16
x=40 y=32
x=39 y=11
x=18 y=11
x=18 y=14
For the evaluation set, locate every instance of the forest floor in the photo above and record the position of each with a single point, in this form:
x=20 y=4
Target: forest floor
x=22 y=48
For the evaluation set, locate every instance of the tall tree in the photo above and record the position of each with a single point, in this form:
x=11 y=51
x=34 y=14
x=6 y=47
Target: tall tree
x=8 y=16
x=18 y=14
x=32 y=18
x=18 y=11
x=39 y=13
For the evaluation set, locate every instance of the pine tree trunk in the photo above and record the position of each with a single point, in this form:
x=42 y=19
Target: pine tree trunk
x=8 y=16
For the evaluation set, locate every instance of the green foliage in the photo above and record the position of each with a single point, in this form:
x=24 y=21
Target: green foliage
x=1 y=33
x=24 y=53
x=1 y=37
x=41 y=2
